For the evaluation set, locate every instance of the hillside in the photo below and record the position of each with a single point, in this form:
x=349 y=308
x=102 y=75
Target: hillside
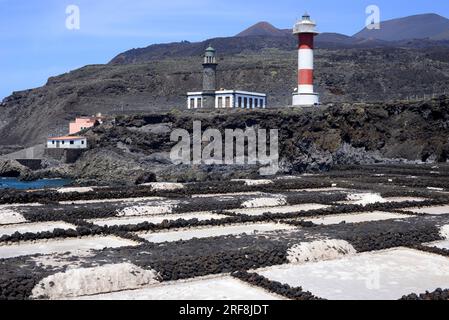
x=252 y=40
x=133 y=148
x=431 y=26
x=348 y=69
x=352 y=75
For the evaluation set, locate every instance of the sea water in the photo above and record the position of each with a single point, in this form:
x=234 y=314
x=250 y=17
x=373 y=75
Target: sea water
x=14 y=183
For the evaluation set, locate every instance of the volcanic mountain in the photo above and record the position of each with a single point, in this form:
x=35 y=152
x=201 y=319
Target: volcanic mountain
x=422 y=26
x=264 y=29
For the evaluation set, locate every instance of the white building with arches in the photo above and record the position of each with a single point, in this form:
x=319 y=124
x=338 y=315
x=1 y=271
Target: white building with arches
x=210 y=97
x=229 y=99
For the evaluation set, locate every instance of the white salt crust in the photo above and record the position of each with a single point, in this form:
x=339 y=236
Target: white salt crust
x=356 y=217
x=145 y=210
x=156 y=219
x=206 y=288
x=35 y=227
x=209 y=232
x=124 y=200
x=380 y=275
x=164 y=186
x=320 y=250
x=77 y=190
x=10 y=216
x=227 y=195
x=444 y=232
x=279 y=209
x=436 y=210
x=265 y=202
x=90 y=281
x=250 y=182
x=62 y=246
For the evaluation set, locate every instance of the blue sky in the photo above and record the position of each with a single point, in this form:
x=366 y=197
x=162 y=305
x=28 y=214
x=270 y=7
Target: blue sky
x=35 y=43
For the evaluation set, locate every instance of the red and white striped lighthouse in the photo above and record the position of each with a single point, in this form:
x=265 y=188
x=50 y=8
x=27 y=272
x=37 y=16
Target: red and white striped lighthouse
x=305 y=29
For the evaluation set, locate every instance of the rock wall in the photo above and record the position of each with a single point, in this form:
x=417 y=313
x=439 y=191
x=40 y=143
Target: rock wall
x=309 y=140
x=64 y=155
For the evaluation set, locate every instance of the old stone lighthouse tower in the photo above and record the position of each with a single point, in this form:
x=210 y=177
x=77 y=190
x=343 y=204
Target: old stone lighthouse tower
x=211 y=98
x=209 y=78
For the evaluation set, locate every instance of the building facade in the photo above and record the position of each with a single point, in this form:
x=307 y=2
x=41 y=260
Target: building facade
x=229 y=99
x=211 y=98
x=83 y=123
x=67 y=143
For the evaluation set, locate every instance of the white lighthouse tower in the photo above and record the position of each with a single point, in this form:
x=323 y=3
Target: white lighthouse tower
x=306 y=31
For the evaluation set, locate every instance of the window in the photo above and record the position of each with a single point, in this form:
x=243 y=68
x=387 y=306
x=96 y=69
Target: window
x=246 y=102
x=261 y=103
x=240 y=102
x=220 y=102
x=251 y=102
x=72 y=142
x=256 y=101
x=82 y=142
x=63 y=142
x=228 y=102
x=192 y=103
x=200 y=103
x=53 y=142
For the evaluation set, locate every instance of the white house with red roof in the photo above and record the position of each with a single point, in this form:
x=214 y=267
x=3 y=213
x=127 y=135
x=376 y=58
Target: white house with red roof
x=67 y=142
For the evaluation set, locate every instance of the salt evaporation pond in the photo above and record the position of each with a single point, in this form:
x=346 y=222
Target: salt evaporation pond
x=356 y=217
x=7 y=230
x=383 y=275
x=63 y=246
x=219 y=288
x=209 y=232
